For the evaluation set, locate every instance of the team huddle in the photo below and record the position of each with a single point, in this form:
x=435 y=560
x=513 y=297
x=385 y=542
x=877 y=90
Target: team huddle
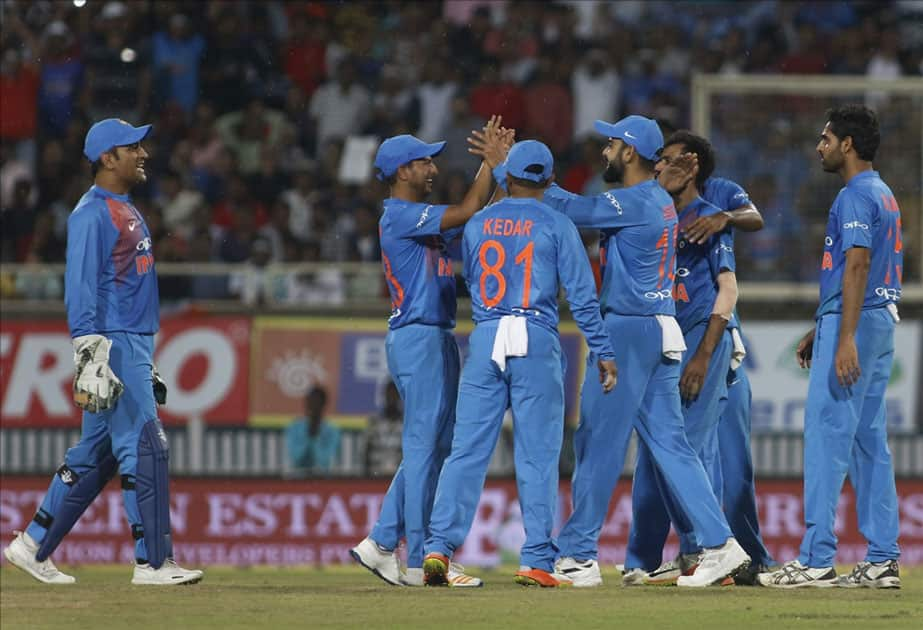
x=664 y=359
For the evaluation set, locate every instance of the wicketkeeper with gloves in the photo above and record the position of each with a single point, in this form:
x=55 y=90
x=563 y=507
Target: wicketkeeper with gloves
x=110 y=291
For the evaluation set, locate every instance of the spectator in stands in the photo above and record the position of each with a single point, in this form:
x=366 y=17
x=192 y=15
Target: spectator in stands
x=496 y=95
x=19 y=81
x=61 y=79
x=549 y=114
x=312 y=441
x=250 y=132
x=434 y=95
x=177 y=53
x=455 y=156
x=383 y=435
x=118 y=82
x=340 y=106
x=595 y=88
x=177 y=201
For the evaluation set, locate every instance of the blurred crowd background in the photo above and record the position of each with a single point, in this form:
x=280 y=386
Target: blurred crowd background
x=252 y=102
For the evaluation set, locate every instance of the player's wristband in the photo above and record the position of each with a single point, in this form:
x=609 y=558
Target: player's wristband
x=500 y=176
x=726 y=318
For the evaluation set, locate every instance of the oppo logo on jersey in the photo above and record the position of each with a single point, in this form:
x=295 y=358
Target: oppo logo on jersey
x=855 y=224
x=664 y=294
x=144 y=244
x=888 y=293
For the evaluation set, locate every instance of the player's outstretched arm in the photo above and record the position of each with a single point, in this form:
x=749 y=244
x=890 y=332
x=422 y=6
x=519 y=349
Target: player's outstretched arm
x=577 y=279
x=491 y=146
x=745 y=218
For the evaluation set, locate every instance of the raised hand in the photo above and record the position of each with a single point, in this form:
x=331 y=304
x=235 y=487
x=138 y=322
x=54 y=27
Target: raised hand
x=491 y=143
x=677 y=174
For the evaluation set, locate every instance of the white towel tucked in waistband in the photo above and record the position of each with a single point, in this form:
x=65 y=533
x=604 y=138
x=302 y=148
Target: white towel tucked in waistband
x=892 y=308
x=739 y=351
x=673 y=343
x=511 y=340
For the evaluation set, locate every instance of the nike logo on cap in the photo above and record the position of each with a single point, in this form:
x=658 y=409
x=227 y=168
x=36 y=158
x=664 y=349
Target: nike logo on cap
x=628 y=135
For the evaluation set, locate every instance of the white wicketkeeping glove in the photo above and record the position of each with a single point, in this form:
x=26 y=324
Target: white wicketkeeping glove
x=96 y=387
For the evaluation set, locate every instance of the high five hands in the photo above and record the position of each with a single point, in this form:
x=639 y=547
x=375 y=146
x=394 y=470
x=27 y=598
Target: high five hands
x=493 y=142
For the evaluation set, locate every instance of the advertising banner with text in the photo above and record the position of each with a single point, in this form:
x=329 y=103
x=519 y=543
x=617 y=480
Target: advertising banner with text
x=347 y=357
x=249 y=522
x=780 y=387
x=203 y=360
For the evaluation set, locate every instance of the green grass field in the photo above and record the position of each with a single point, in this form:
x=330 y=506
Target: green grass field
x=351 y=597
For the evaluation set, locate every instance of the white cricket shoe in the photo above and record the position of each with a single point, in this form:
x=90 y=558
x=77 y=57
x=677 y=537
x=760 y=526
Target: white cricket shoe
x=886 y=574
x=634 y=577
x=381 y=562
x=21 y=553
x=412 y=577
x=168 y=573
x=716 y=565
x=795 y=575
x=582 y=573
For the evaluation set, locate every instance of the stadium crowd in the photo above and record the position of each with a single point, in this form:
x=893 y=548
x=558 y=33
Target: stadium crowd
x=252 y=102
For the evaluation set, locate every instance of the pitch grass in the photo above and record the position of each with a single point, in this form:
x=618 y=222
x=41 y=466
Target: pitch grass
x=350 y=597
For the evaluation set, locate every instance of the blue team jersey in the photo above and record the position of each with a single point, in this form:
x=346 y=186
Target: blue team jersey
x=637 y=249
x=418 y=269
x=517 y=253
x=725 y=194
x=864 y=214
x=698 y=266
x=110 y=284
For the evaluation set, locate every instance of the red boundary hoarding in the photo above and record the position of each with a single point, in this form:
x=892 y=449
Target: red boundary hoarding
x=204 y=361
x=252 y=522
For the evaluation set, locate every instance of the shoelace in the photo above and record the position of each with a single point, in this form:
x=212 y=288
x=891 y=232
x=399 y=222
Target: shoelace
x=860 y=571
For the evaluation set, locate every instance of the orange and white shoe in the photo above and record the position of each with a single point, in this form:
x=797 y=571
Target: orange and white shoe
x=459 y=579
x=436 y=569
x=527 y=576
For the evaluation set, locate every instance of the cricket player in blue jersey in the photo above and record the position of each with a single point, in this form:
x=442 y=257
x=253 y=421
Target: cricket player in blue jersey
x=737 y=489
x=518 y=252
x=736 y=485
x=705 y=292
x=110 y=291
x=639 y=228
x=849 y=353
x=421 y=350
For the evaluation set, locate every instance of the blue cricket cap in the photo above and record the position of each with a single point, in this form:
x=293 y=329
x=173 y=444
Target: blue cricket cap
x=531 y=160
x=109 y=133
x=399 y=150
x=642 y=133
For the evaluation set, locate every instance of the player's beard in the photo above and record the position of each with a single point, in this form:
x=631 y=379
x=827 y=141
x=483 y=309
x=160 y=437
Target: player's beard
x=614 y=172
x=829 y=165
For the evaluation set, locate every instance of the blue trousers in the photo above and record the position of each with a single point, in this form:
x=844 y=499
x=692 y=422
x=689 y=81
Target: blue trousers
x=424 y=364
x=646 y=398
x=534 y=387
x=653 y=504
x=845 y=432
x=116 y=430
x=736 y=464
